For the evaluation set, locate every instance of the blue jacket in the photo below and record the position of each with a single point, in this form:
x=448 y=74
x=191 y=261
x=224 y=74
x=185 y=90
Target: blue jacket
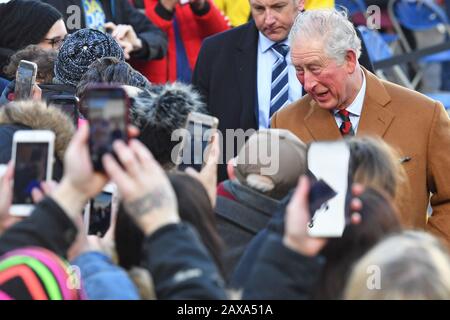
x=102 y=280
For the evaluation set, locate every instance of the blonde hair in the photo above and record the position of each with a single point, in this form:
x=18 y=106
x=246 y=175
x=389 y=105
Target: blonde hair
x=411 y=265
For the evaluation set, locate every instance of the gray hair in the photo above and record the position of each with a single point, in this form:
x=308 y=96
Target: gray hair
x=331 y=26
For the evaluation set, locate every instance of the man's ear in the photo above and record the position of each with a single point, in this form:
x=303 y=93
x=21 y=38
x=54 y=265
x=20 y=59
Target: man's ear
x=301 y=5
x=351 y=61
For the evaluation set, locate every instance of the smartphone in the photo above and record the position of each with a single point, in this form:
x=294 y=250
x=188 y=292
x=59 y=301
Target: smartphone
x=98 y=212
x=107 y=112
x=32 y=155
x=25 y=80
x=328 y=194
x=67 y=104
x=199 y=131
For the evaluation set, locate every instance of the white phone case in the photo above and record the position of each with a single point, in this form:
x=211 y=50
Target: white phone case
x=32 y=136
x=330 y=161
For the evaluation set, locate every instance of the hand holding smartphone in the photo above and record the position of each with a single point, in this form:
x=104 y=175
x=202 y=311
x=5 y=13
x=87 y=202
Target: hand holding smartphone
x=32 y=155
x=199 y=131
x=107 y=112
x=25 y=80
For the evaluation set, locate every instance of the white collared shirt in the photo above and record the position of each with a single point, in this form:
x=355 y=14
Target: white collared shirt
x=266 y=60
x=354 y=108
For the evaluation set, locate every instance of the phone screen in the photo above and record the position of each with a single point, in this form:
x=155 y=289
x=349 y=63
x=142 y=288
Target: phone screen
x=199 y=135
x=107 y=112
x=100 y=214
x=30 y=169
x=24 y=83
x=68 y=107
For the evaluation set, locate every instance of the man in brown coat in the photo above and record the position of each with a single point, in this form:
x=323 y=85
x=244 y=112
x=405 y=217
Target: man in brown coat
x=345 y=99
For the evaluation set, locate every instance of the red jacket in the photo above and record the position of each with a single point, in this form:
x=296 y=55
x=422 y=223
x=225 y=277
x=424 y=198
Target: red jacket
x=193 y=29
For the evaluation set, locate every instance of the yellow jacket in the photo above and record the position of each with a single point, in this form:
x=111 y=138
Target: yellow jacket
x=319 y=4
x=238 y=11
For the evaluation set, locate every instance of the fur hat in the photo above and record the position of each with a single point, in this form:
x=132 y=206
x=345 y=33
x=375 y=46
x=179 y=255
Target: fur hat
x=160 y=111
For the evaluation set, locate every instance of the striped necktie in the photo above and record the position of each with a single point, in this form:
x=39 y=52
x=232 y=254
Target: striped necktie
x=279 y=95
x=346 y=127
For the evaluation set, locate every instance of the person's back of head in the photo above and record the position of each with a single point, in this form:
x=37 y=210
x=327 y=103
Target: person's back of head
x=79 y=51
x=44 y=59
x=375 y=164
x=194 y=207
x=160 y=111
x=378 y=220
x=111 y=70
x=412 y=265
x=270 y=162
x=33 y=273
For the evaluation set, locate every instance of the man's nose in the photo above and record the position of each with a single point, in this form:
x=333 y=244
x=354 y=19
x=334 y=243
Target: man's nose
x=269 y=18
x=309 y=81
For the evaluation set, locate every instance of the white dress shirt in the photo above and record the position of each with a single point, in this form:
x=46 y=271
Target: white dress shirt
x=266 y=60
x=354 y=108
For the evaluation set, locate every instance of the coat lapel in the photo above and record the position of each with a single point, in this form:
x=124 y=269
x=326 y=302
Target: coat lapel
x=376 y=116
x=245 y=64
x=321 y=124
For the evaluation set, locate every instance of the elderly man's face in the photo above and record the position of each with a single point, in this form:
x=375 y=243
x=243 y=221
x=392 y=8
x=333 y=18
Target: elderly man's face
x=274 y=18
x=328 y=83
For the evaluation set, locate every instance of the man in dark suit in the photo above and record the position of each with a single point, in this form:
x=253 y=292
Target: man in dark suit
x=244 y=76
x=345 y=99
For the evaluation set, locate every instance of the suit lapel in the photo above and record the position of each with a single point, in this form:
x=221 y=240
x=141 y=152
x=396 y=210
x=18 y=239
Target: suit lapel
x=321 y=124
x=245 y=64
x=376 y=116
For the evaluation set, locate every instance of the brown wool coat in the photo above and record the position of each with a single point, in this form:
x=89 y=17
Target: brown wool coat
x=416 y=126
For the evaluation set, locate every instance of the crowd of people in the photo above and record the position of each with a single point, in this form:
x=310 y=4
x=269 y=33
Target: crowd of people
x=282 y=73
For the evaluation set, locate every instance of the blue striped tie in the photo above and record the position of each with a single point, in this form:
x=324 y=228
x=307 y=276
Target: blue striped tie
x=279 y=95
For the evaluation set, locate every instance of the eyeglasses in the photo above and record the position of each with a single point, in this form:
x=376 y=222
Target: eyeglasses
x=57 y=42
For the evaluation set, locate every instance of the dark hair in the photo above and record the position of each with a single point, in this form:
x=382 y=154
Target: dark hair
x=111 y=70
x=45 y=60
x=378 y=220
x=194 y=208
x=160 y=111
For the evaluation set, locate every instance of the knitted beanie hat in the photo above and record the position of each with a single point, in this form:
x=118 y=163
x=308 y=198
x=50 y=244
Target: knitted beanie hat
x=25 y=22
x=38 y=274
x=80 y=50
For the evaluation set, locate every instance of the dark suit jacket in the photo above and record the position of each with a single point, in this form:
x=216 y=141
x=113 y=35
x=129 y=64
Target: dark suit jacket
x=225 y=74
x=416 y=126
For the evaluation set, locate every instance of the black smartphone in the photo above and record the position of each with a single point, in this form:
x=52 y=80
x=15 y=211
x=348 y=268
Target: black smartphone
x=98 y=214
x=107 y=112
x=198 y=133
x=25 y=80
x=67 y=104
x=319 y=194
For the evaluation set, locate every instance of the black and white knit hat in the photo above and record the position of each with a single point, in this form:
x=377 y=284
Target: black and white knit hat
x=80 y=50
